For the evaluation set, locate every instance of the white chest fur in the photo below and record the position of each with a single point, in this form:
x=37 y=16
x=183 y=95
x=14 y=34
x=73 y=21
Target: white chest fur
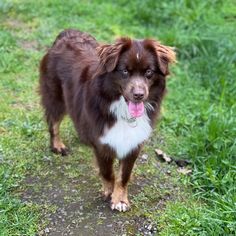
x=124 y=136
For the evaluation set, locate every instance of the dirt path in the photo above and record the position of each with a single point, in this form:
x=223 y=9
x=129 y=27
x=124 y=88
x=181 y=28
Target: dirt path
x=68 y=190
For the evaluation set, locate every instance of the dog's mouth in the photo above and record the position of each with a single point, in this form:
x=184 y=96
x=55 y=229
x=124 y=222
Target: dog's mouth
x=136 y=109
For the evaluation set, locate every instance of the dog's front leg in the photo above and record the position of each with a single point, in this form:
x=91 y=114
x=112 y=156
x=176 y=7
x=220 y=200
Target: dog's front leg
x=105 y=160
x=119 y=197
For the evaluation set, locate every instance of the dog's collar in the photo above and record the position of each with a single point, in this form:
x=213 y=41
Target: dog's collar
x=132 y=121
x=129 y=120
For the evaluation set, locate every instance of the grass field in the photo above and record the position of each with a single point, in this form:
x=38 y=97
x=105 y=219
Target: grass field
x=198 y=119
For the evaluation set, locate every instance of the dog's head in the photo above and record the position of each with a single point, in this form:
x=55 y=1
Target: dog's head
x=134 y=66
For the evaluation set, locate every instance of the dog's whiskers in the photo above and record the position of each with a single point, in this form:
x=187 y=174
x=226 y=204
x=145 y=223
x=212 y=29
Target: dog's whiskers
x=149 y=107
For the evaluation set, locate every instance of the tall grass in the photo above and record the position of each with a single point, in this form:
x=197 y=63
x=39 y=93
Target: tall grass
x=201 y=110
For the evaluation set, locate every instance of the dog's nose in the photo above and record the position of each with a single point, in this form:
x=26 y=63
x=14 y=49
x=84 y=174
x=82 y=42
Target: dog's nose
x=138 y=96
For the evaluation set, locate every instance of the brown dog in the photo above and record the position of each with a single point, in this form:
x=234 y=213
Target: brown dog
x=112 y=93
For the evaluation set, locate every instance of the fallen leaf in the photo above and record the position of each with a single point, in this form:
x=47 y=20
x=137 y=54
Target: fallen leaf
x=184 y=171
x=182 y=162
x=162 y=155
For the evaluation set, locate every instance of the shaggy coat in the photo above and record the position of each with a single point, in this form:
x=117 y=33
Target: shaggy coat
x=112 y=93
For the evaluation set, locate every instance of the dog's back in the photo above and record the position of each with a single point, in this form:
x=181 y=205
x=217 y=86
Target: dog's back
x=75 y=37
x=70 y=49
x=62 y=71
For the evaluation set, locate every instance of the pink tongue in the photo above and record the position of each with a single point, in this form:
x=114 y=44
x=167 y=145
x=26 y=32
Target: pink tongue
x=136 y=109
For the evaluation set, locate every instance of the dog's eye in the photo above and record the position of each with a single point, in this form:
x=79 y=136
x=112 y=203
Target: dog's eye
x=148 y=73
x=125 y=72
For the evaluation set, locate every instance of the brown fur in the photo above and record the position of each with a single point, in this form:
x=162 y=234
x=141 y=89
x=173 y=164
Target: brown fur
x=82 y=78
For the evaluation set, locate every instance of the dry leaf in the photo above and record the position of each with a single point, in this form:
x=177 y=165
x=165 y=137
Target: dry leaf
x=162 y=155
x=184 y=171
x=182 y=162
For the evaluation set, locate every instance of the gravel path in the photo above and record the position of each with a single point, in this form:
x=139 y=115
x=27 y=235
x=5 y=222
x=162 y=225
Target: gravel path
x=69 y=193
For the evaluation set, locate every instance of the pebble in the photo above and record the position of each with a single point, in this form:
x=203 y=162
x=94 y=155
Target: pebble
x=47 y=230
x=63 y=212
x=144 y=157
x=149 y=227
x=46 y=158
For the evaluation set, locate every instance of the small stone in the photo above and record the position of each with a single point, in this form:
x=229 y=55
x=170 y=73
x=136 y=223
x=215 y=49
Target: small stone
x=46 y=158
x=64 y=213
x=47 y=230
x=149 y=227
x=109 y=226
x=144 y=157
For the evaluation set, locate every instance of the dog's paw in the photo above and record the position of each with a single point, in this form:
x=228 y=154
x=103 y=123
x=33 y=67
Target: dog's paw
x=120 y=206
x=64 y=151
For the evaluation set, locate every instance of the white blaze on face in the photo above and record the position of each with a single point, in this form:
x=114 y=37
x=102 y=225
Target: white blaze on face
x=138 y=56
x=123 y=136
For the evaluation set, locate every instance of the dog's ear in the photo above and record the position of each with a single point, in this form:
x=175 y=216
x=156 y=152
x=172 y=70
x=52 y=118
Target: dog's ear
x=165 y=55
x=109 y=54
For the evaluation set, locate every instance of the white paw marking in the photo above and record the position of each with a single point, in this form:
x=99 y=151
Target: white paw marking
x=121 y=206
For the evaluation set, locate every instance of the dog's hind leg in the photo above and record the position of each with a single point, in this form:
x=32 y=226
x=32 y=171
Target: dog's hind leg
x=55 y=111
x=54 y=115
x=57 y=146
x=54 y=105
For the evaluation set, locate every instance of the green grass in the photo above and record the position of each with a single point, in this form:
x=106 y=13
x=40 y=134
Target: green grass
x=199 y=113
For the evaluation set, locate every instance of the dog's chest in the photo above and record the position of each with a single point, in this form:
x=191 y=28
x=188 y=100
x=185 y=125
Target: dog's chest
x=124 y=136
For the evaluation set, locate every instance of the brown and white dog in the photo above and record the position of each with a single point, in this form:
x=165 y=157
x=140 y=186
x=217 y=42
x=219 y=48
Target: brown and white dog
x=112 y=93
